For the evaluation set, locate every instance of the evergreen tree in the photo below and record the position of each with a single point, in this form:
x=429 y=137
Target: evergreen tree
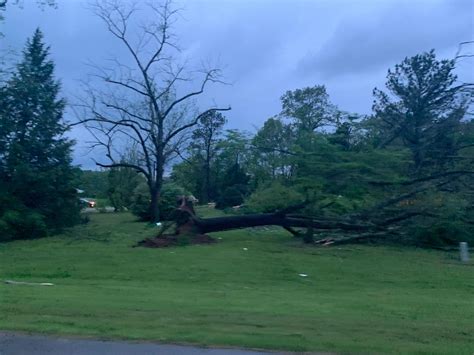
x=35 y=157
x=423 y=108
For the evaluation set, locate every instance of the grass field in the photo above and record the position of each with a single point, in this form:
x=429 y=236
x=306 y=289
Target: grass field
x=354 y=299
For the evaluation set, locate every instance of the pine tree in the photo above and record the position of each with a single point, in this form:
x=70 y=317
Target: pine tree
x=35 y=157
x=423 y=107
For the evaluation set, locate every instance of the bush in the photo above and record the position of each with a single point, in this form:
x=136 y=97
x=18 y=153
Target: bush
x=232 y=196
x=444 y=233
x=141 y=201
x=140 y=206
x=169 y=198
x=448 y=229
x=25 y=224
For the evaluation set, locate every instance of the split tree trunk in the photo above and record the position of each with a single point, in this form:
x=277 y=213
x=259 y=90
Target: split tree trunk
x=187 y=223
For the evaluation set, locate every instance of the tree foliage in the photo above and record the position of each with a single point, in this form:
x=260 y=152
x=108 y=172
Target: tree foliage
x=423 y=108
x=309 y=108
x=203 y=149
x=403 y=174
x=35 y=157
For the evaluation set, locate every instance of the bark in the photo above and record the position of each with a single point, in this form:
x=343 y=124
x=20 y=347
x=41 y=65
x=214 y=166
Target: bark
x=217 y=224
x=321 y=231
x=155 y=194
x=154 y=206
x=188 y=222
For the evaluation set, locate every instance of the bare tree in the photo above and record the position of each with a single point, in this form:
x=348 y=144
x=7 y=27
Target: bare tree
x=148 y=103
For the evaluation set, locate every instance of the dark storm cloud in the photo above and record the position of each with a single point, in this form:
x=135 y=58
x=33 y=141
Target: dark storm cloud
x=264 y=46
x=381 y=36
x=247 y=35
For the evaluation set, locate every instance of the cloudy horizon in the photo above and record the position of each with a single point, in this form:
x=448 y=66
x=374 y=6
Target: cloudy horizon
x=264 y=47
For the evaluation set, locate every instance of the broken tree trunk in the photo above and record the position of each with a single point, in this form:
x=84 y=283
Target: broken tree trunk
x=193 y=229
x=187 y=223
x=217 y=224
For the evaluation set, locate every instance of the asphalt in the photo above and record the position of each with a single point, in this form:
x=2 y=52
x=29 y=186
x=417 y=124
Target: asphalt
x=23 y=344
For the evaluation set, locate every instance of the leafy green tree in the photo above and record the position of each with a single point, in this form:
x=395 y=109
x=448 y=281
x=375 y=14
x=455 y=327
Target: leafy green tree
x=309 y=108
x=35 y=157
x=188 y=174
x=234 y=148
x=271 y=146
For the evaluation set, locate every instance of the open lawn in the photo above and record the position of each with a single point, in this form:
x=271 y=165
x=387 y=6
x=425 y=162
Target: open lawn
x=354 y=298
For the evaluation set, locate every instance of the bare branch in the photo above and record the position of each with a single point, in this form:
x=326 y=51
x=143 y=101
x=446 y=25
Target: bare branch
x=125 y=165
x=142 y=105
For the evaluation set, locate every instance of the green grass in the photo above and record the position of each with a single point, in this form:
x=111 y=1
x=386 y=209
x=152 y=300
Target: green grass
x=354 y=299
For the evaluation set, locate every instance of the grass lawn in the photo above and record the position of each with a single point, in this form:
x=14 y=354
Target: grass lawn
x=354 y=299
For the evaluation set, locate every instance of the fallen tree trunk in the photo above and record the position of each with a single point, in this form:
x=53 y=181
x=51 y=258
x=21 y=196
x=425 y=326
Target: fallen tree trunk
x=217 y=224
x=188 y=222
x=192 y=229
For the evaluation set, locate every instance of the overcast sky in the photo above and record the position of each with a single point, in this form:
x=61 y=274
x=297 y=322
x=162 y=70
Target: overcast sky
x=265 y=47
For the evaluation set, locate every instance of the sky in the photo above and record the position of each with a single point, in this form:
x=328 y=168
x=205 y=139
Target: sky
x=264 y=47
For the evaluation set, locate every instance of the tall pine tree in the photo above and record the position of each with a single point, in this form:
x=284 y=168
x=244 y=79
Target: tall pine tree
x=35 y=157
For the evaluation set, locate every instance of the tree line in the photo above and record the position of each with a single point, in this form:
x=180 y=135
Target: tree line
x=405 y=171
x=408 y=165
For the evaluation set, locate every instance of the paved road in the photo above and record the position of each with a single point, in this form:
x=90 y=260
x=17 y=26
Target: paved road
x=21 y=344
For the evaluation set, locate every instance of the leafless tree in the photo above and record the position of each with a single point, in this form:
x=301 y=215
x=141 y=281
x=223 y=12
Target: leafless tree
x=147 y=101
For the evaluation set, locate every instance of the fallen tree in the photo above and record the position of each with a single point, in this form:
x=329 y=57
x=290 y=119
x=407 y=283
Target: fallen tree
x=190 y=229
x=387 y=220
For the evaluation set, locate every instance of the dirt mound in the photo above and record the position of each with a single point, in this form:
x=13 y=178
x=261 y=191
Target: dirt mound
x=171 y=240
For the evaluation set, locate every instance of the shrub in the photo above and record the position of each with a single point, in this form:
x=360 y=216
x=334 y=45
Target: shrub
x=232 y=196
x=444 y=233
x=25 y=224
x=141 y=201
x=168 y=201
x=140 y=206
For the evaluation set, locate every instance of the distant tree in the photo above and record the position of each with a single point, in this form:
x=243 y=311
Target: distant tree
x=188 y=175
x=204 y=147
x=423 y=108
x=309 y=108
x=122 y=181
x=231 y=150
x=234 y=186
x=271 y=145
x=35 y=157
x=234 y=148
x=351 y=132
